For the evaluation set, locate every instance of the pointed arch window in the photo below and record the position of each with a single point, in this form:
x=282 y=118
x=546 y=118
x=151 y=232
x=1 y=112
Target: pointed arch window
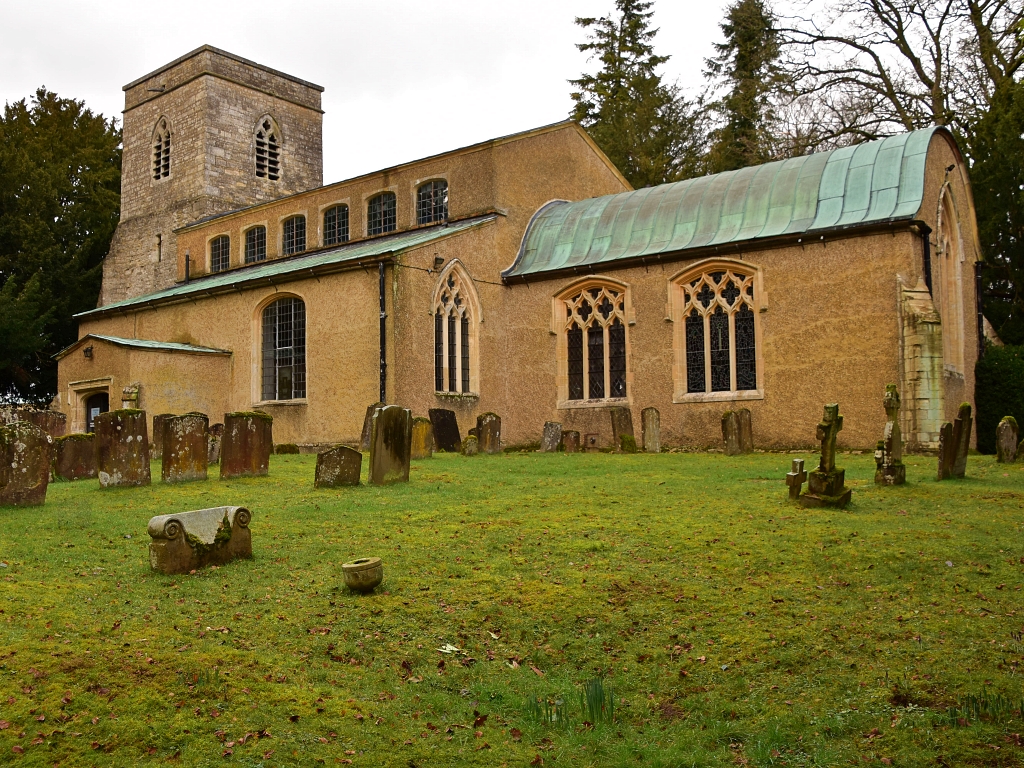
x=381 y=214
x=432 y=202
x=593 y=320
x=161 y=150
x=336 y=225
x=716 y=344
x=284 y=350
x=268 y=149
x=950 y=293
x=455 y=339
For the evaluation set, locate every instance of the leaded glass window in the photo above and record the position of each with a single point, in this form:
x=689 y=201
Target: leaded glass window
x=454 y=325
x=284 y=350
x=161 y=150
x=718 y=332
x=432 y=202
x=293 y=235
x=336 y=225
x=255 y=245
x=595 y=338
x=220 y=253
x=268 y=150
x=381 y=214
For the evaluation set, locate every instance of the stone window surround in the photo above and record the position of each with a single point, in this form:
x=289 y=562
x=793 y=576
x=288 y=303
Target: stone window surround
x=207 y=258
x=164 y=121
x=414 y=190
x=243 y=234
x=364 y=227
x=279 y=239
x=321 y=210
x=475 y=319
x=256 y=361
x=276 y=128
x=674 y=315
x=953 y=327
x=78 y=393
x=558 y=330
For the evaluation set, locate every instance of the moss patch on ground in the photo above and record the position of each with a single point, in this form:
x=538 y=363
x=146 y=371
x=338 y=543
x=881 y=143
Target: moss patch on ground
x=732 y=627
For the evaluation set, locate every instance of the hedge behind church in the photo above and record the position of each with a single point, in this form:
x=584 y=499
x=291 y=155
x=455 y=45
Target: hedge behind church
x=999 y=391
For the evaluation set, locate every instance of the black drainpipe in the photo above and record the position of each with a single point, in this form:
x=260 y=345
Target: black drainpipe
x=926 y=233
x=383 y=337
x=981 y=316
x=188 y=260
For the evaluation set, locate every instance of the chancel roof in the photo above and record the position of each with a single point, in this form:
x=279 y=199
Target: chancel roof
x=870 y=183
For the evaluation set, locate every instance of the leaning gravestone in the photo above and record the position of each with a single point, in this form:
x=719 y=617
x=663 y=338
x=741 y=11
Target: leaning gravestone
x=214 y=436
x=737 y=432
x=470 y=446
x=488 y=432
x=185 y=449
x=422 y=438
x=552 y=437
x=246 y=444
x=188 y=541
x=337 y=466
x=364 y=440
x=622 y=425
x=446 y=430
x=571 y=441
x=947 y=451
x=74 y=457
x=650 y=422
x=122 y=448
x=159 y=421
x=25 y=453
x=390 y=445
x=826 y=486
x=53 y=423
x=889 y=467
x=1007 y=439
x=954 y=442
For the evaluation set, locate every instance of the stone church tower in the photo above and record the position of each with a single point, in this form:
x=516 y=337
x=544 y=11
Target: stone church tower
x=208 y=133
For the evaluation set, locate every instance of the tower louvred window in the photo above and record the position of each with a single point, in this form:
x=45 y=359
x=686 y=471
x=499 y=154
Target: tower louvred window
x=268 y=150
x=161 y=150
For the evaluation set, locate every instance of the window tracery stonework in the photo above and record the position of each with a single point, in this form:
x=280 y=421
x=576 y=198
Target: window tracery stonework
x=268 y=149
x=455 y=333
x=715 y=307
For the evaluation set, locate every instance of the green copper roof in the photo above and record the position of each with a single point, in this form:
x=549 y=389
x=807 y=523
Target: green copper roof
x=295 y=267
x=868 y=183
x=157 y=346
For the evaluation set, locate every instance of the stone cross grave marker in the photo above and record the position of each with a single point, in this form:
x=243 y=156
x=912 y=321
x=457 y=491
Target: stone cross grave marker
x=446 y=430
x=826 y=486
x=338 y=466
x=185 y=450
x=488 y=432
x=796 y=478
x=889 y=467
x=390 y=445
x=650 y=423
x=74 y=457
x=188 y=541
x=552 y=437
x=246 y=445
x=122 y=448
x=1007 y=440
x=25 y=457
x=422 y=438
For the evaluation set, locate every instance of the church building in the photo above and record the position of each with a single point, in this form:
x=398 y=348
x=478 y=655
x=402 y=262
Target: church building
x=521 y=275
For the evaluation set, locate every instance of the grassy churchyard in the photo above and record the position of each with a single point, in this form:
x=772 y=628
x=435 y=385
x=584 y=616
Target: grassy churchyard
x=728 y=626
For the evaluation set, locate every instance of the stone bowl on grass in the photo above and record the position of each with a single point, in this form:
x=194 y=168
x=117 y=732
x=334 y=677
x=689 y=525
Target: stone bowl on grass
x=363 y=575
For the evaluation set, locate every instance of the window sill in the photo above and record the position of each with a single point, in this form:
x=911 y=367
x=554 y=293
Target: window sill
x=718 y=397
x=458 y=395
x=602 y=403
x=284 y=403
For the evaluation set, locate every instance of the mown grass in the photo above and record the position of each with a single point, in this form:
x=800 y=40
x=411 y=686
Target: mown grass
x=732 y=627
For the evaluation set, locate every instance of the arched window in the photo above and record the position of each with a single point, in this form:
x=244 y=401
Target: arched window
x=381 y=214
x=293 y=235
x=284 y=350
x=268 y=149
x=432 y=202
x=255 y=245
x=950 y=291
x=716 y=333
x=455 y=340
x=593 y=318
x=220 y=253
x=161 y=150
x=336 y=225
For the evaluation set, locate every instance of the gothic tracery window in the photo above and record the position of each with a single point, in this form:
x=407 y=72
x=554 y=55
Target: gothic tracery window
x=284 y=350
x=268 y=149
x=454 y=328
x=161 y=150
x=595 y=342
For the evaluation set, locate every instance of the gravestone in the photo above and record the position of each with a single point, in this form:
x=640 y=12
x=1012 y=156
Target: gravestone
x=552 y=437
x=122 y=448
x=246 y=444
x=470 y=446
x=185 y=449
x=737 y=432
x=390 y=445
x=571 y=441
x=746 y=431
x=422 y=438
x=53 y=423
x=214 y=435
x=954 y=442
x=889 y=467
x=622 y=424
x=364 y=440
x=188 y=541
x=446 y=430
x=650 y=426
x=826 y=486
x=795 y=479
x=1007 y=439
x=74 y=457
x=25 y=457
x=337 y=466
x=947 y=451
x=286 y=449
x=158 y=431
x=488 y=432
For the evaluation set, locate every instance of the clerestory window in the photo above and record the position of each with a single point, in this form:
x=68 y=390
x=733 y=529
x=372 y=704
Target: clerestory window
x=381 y=214
x=268 y=149
x=293 y=235
x=593 y=343
x=284 y=350
x=336 y=225
x=455 y=332
x=432 y=202
x=220 y=253
x=161 y=150
x=255 y=245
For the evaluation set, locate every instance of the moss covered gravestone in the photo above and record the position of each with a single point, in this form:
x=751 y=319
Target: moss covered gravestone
x=246 y=444
x=188 y=541
x=650 y=421
x=74 y=456
x=737 y=432
x=622 y=426
x=571 y=441
x=889 y=467
x=551 y=437
x=488 y=432
x=185 y=448
x=1007 y=439
x=954 y=442
x=446 y=430
x=122 y=448
x=25 y=452
x=826 y=486
x=390 y=445
x=422 y=438
x=338 y=466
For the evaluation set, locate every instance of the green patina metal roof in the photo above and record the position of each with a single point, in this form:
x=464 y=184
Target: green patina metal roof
x=869 y=183
x=157 y=346
x=294 y=267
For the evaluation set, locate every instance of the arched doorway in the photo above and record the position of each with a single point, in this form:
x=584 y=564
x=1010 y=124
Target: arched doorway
x=94 y=406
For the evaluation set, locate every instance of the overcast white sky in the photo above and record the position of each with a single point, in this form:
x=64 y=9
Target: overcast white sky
x=403 y=78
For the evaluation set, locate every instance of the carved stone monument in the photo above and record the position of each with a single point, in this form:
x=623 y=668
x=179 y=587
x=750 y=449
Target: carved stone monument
x=25 y=452
x=185 y=448
x=422 y=438
x=890 y=469
x=1007 y=440
x=53 y=423
x=214 y=436
x=74 y=457
x=446 y=430
x=488 y=432
x=552 y=437
x=338 y=466
x=122 y=448
x=188 y=541
x=130 y=397
x=650 y=421
x=622 y=425
x=470 y=446
x=390 y=445
x=826 y=486
x=795 y=479
x=364 y=440
x=737 y=432
x=954 y=442
x=157 y=444
x=571 y=441
x=246 y=444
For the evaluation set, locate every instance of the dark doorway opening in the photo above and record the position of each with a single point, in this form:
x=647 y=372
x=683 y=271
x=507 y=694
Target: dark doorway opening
x=94 y=406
